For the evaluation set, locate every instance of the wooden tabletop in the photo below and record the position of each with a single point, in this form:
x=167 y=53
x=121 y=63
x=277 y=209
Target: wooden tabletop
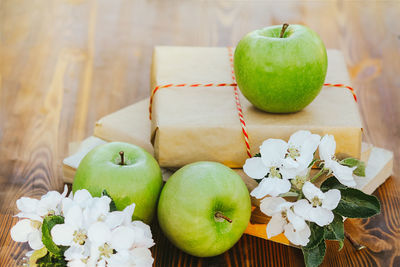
x=65 y=64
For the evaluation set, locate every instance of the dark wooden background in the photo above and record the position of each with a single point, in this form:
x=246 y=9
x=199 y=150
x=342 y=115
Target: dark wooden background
x=64 y=64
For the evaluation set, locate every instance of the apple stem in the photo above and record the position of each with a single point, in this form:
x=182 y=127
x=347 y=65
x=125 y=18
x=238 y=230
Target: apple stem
x=220 y=215
x=284 y=27
x=121 y=153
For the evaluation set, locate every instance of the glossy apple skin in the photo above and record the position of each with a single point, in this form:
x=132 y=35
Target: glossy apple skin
x=280 y=75
x=189 y=201
x=139 y=181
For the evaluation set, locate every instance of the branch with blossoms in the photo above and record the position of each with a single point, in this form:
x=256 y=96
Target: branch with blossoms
x=305 y=213
x=81 y=230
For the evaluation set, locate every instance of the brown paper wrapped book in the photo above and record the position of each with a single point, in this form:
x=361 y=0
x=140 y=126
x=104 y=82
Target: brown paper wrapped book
x=191 y=124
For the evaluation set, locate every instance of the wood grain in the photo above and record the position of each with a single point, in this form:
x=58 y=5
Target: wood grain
x=64 y=64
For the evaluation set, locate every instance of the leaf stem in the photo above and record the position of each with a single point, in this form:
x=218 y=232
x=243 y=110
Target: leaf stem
x=300 y=196
x=289 y=194
x=317 y=175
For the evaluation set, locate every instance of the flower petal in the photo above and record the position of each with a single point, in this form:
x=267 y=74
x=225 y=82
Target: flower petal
x=76 y=252
x=275 y=225
x=343 y=173
x=74 y=216
x=120 y=259
x=76 y=263
x=304 y=160
x=115 y=219
x=146 y=229
x=48 y=203
x=332 y=198
x=128 y=212
x=327 y=147
x=98 y=209
x=30 y=215
x=35 y=240
x=99 y=233
x=66 y=204
x=299 y=137
x=289 y=163
x=273 y=151
x=143 y=236
x=288 y=172
x=321 y=216
x=141 y=257
x=278 y=186
x=82 y=198
x=302 y=208
x=65 y=192
x=27 y=204
x=272 y=187
x=122 y=238
x=297 y=222
x=63 y=234
x=310 y=191
x=94 y=255
x=310 y=145
x=297 y=237
x=20 y=231
x=271 y=205
x=255 y=168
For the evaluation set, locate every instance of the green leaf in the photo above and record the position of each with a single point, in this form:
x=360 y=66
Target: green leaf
x=112 y=203
x=317 y=236
x=335 y=230
x=350 y=162
x=356 y=204
x=360 y=170
x=313 y=257
x=48 y=224
x=258 y=155
x=332 y=183
x=50 y=260
x=353 y=162
x=36 y=255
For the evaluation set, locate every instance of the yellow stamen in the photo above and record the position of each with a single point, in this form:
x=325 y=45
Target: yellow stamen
x=80 y=237
x=106 y=250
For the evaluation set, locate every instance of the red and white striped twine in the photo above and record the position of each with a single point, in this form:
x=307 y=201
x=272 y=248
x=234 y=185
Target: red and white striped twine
x=239 y=106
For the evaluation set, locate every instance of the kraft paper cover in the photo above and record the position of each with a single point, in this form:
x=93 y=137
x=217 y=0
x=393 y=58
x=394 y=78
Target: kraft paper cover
x=191 y=124
x=130 y=124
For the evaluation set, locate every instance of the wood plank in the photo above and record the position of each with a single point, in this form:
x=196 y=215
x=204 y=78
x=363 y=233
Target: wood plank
x=66 y=63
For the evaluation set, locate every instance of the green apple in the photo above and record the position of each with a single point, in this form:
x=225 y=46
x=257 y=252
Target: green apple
x=127 y=172
x=204 y=208
x=280 y=69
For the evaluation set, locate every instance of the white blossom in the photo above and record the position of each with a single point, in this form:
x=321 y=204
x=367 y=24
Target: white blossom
x=300 y=152
x=94 y=235
x=124 y=239
x=268 y=167
x=318 y=206
x=284 y=219
x=30 y=231
x=34 y=210
x=281 y=161
x=72 y=231
x=327 y=150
